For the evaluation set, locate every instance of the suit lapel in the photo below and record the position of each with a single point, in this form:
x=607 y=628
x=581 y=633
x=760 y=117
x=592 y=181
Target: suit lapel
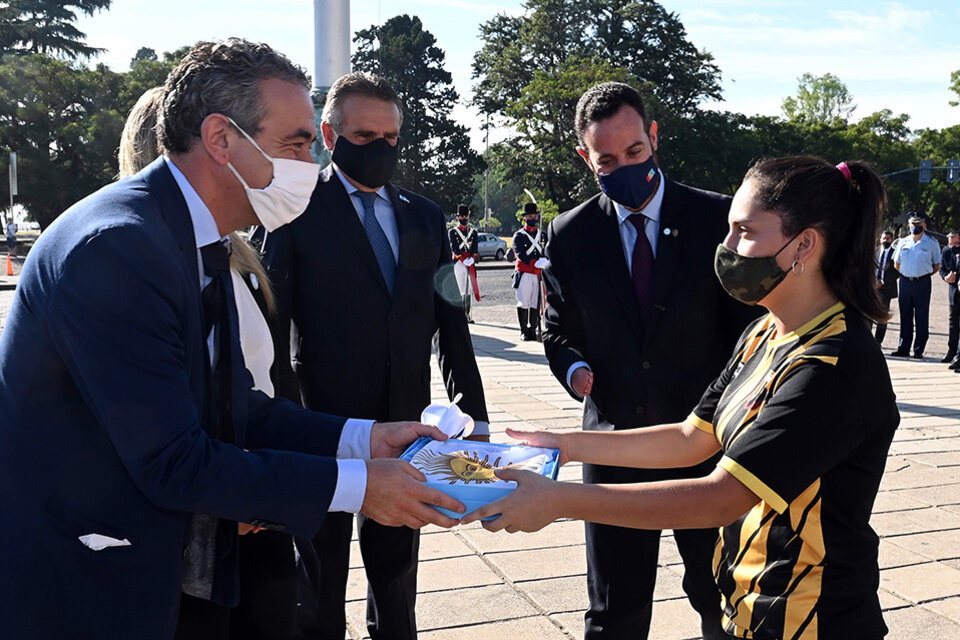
x=337 y=203
x=175 y=213
x=667 y=258
x=610 y=246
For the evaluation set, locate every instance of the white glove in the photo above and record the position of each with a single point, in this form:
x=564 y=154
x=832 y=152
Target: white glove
x=449 y=419
x=468 y=262
x=542 y=263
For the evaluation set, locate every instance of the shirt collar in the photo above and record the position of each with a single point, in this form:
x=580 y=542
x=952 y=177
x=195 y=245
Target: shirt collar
x=382 y=191
x=651 y=211
x=204 y=226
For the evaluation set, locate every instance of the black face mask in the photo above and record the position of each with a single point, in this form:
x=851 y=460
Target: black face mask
x=371 y=164
x=886 y=244
x=463 y=221
x=530 y=222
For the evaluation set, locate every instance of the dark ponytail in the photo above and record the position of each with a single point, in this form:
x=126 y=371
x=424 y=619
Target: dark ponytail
x=809 y=192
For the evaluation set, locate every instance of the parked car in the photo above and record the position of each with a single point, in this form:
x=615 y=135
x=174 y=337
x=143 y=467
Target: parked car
x=490 y=246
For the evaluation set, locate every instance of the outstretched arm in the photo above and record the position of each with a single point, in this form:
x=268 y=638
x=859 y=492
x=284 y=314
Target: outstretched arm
x=666 y=446
x=696 y=503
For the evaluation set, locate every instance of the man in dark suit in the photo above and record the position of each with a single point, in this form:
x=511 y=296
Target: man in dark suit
x=637 y=326
x=133 y=443
x=950 y=271
x=366 y=277
x=886 y=275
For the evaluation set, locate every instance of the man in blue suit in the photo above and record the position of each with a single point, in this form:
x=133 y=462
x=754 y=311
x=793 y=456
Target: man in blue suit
x=128 y=452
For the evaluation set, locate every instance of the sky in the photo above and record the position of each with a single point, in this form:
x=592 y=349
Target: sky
x=890 y=55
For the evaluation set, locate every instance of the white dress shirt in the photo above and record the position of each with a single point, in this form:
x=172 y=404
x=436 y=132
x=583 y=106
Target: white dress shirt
x=354 y=445
x=382 y=208
x=628 y=236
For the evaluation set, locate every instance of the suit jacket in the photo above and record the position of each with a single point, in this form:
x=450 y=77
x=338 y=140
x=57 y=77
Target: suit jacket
x=949 y=261
x=103 y=392
x=890 y=274
x=361 y=351
x=460 y=248
x=655 y=370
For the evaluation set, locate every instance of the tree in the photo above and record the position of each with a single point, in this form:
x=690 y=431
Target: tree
x=820 y=98
x=939 y=199
x=532 y=69
x=46 y=26
x=435 y=155
x=955 y=87
x=63 y=122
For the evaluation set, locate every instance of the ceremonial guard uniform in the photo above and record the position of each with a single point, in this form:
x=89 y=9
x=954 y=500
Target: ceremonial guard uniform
x=528 y=245
x=464 y=245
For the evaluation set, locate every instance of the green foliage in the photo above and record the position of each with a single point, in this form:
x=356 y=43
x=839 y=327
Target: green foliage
x=955 y=87
x=939 y=199
x=46 y=26
x=533 y=68
x=502 y=196
x=819 y=99
x=489 y=223
x=548 y=211
x=435 y=155
x=63 y=122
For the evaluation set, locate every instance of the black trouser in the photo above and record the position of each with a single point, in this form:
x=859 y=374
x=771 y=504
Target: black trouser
x=390 y=558
x=882 y=326
x=622 y=569
x=268 y=604
x=954 y=322
x=914 y=301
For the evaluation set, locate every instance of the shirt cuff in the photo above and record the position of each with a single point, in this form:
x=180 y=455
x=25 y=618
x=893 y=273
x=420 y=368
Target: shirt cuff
x=481 y=428
x=355 y=439
x=576 y=365
x=755 y=484
x=351 y=485
x=700 y=423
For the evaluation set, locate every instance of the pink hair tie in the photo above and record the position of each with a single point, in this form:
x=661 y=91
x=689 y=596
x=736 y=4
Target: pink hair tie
x=845 y=170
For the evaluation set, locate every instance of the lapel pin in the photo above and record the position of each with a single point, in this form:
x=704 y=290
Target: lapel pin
x=403 y=198
x=666 y=231
x=676 y=232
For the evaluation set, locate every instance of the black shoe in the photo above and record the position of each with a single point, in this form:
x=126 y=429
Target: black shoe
x=917 y=356
x=955 y=365
x=949 y=357
x=899 y=354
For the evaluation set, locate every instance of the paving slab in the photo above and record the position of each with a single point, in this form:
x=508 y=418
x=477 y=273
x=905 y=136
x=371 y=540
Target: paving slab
x=539 y=579
x=922 y=582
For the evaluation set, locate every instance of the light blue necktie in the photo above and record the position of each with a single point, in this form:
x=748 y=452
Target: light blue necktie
x=378 y=239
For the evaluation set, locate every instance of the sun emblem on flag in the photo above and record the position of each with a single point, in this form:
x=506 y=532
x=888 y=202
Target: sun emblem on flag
x=465 y=466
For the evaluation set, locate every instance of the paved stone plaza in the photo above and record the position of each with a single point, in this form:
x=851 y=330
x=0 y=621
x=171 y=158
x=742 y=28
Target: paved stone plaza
x=479 y=584
x=532 y=586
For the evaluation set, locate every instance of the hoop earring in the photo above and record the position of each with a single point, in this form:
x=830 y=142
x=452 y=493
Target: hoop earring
x=793 y=268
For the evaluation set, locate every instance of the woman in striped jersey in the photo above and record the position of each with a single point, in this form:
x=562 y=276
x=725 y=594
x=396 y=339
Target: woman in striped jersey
x=804 y=414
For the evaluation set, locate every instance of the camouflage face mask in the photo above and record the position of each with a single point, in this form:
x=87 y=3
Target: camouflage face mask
x=748 y=279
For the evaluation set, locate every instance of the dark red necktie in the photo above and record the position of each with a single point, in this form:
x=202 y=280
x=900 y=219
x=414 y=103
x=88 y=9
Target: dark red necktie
x=641 y=266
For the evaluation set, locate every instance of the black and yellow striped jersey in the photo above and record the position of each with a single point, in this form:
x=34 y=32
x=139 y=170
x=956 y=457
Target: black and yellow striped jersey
x=805 y=420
